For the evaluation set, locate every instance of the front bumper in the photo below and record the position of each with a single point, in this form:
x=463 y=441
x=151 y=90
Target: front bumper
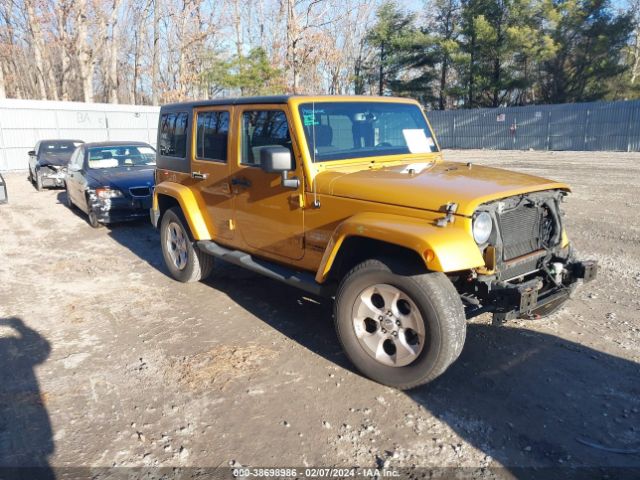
x=52 y=178
x=121 y=209
x=536 y=296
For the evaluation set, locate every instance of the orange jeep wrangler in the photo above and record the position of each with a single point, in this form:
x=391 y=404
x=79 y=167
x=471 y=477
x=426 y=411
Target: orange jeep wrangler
x=350 y=198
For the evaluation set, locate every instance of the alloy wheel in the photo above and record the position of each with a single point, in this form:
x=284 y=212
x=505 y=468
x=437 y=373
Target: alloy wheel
x=388 y=325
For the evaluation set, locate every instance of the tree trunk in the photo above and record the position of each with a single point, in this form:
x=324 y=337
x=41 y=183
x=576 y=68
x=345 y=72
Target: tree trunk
x=37 y=44
x=381 y=72
x=3 y=91
x=155 y=83
x=472 y=71
x=85 y=53
x=113 y=54
x=636 y=58
x=442 y=101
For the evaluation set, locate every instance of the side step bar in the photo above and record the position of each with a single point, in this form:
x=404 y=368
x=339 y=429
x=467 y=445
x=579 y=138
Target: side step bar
x=302 y=280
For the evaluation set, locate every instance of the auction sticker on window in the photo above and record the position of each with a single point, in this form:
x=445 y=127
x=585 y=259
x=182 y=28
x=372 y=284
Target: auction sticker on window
x=417 y=140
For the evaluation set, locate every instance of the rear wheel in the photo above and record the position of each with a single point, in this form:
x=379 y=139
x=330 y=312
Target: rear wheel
x=399 y=328
x=68 y=200
x=185 y=261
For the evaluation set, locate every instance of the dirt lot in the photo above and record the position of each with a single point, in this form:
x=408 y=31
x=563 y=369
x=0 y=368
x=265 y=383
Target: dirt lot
x=106 y=361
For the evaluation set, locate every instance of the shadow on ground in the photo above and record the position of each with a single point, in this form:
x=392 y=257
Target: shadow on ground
x=25 y=430
x=523 y=397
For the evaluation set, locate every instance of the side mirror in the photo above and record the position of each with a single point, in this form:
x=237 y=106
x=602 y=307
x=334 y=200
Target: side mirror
x=32 y=153
x=73 y=168
x=279 y=160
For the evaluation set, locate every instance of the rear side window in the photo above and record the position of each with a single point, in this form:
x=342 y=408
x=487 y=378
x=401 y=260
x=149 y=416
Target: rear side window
x=173 y=134
x=212 y=135
x=263 y=128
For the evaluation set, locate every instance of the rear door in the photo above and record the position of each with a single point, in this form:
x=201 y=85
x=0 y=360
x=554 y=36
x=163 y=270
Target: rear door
x=269 y=216
x=210 y=157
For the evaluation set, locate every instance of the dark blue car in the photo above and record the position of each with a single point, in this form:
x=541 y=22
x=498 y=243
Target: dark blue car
x=111 y=181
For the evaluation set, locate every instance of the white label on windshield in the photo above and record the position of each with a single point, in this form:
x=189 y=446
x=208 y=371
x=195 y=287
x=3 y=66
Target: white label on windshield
x=417 y=141
x=146 y=151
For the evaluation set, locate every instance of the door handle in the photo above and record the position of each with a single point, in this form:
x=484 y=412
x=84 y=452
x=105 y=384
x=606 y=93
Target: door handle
x=240 y=182
x=199 y=176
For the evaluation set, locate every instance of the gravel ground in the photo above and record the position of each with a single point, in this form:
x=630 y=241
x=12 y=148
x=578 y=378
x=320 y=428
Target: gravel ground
x=106 y=361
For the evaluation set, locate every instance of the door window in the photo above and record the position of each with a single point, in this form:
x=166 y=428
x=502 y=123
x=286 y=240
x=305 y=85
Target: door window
x=212 y=136
x=263 y=128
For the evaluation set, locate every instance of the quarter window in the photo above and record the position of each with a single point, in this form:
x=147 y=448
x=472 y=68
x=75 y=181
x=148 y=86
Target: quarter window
x=173 y=134
x=212 y=135
x=263 y=128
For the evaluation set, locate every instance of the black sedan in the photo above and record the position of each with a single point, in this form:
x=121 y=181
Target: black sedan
x=111 y=181
x=48 y=161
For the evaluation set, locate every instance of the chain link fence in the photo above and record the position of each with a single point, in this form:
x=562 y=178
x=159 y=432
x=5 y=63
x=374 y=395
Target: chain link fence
x=607 y=126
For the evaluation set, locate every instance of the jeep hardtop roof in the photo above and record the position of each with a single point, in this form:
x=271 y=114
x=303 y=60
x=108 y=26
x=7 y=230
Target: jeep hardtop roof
x=272 y=99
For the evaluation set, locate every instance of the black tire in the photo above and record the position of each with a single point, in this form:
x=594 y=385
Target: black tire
x=68 y=200
x=38 y=181
x=93 y=219
x=441 y=311
x=198 y=265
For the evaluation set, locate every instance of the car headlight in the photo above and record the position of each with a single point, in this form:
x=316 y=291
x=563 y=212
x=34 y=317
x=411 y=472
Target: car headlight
x=105 y=193
x=482 y=227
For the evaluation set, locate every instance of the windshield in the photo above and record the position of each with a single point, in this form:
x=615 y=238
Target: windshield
x=121 y=156
x=59 y=147
x=344 y=130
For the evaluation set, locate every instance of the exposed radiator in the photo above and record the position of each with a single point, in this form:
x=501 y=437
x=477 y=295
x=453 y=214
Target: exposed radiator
x=521 y=231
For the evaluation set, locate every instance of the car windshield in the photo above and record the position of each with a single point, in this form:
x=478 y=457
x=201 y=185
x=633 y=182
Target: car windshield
x=345 y=130
x=59 y=147
x=121 y=156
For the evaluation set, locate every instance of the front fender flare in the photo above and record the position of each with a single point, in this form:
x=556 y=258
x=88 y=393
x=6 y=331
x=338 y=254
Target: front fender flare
x=189 y=205
x=453 y=246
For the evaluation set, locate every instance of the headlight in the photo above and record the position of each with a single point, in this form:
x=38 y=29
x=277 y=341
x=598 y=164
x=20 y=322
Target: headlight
x=482 y=226
x=106 y=193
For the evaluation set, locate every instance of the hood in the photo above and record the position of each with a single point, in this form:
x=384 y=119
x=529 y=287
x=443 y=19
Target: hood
x=55 y=158
x=429 y=186
x=122 y=178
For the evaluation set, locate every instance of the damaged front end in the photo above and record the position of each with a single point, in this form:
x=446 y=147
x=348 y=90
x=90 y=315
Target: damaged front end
x=52 y=175
x=111 y=205
x=530 y=270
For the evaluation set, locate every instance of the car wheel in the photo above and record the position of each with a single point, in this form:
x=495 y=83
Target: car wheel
x=399 y=328
x=93 y=219
x=38 y=181
x=185 y=261
x=68 y=200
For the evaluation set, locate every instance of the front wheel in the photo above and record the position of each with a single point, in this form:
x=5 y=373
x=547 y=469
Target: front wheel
x=185 y=261
x=38 y=181
x=93 y=219
x=399 y=329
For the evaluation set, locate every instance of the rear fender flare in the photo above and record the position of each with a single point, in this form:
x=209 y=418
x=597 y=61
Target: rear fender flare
x=188 y=204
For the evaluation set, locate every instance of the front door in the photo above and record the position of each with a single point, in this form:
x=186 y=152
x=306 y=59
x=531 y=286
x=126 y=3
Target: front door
x=269 y=216
x=210 y=169
x=75 y=179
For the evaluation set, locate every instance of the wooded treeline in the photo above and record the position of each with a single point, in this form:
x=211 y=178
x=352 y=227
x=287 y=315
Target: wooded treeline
x=446 y=53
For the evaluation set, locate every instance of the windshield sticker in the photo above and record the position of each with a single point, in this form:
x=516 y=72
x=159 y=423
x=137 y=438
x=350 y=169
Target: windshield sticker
x=309 y=119
x=417 y=141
